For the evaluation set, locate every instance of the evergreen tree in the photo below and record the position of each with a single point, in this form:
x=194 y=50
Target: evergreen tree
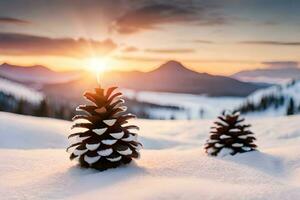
x=42 y=110
x=106 y=142
x=20 y=107
x=291 y=107
x=230 y=136
x=60 y=112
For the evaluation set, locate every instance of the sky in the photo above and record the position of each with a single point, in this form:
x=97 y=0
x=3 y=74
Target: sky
x=213 y=36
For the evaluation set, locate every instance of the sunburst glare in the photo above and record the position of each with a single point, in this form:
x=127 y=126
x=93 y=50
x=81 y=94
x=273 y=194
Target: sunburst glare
x=97 y=66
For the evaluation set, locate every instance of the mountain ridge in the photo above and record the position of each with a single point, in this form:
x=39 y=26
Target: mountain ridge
x=171 y=76
x=35 y=74
x=271 y=74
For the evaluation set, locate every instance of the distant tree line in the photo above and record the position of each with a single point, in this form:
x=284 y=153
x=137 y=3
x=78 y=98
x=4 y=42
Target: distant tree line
x=53 y=109
x=271 y=101
x=45 y=108
x=265 y=102
x=142 y=109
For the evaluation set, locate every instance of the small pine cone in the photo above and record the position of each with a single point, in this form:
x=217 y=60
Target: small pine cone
x=230 y=136
x=105 y=142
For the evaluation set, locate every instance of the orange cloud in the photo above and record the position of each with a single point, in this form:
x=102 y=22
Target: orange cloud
x=170 y=50
x=31 y=45
x=130 y=49
x=275 y=43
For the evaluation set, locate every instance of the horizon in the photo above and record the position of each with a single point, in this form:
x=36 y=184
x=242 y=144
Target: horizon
x=269 y=65
x=216 y=37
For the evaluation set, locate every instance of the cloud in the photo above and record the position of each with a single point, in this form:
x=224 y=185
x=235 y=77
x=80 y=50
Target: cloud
x=203 y=41
x=170 y=50
x=151 y=16
x=9 y=20
x=138 y=58
x=31 y=45
x=130 y=49
x=156 y=59
x=281 y=64
x=275 y=43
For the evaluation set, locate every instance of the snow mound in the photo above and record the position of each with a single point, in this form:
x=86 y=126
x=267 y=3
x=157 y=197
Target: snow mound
x=20 y=91
x=173 y=164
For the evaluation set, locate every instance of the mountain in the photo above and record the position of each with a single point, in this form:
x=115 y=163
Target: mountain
x=276 y=72
x=35 y=75
x=172 y=76
x=274 y=101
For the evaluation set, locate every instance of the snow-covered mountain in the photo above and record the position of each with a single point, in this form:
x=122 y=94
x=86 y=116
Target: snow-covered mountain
x=275 y=72
x=20 y=91
x=34 y=164
x=274 y=101
x=36 y=75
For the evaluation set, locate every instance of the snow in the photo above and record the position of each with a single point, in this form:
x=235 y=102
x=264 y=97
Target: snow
x=117 y=135
x=91 y=160
x=114 y=159
x=192 y=104
x=227 y=136
x=225 y=152
x=237 y=145
x=126 y=152
x=20 y=91
x=109 y=142
x=79 y=152
x=110 y=122
x=218 y=145
x=92 y=147
x=99 y=131
x=105 y=152
x=129 y=138
x=173 y=165
x=288 y=91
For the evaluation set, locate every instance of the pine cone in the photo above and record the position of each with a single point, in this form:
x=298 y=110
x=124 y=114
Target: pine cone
x=105 y=142
x=229 y=136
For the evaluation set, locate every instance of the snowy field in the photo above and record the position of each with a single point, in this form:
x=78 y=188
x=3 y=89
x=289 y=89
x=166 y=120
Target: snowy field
x=173 y=165
x=192 y=104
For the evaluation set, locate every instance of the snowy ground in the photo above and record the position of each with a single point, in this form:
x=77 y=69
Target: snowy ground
x=34 y=164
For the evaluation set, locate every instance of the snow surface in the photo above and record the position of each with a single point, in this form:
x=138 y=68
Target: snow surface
x=20 y=91
x=192 y=104
x=173 y=165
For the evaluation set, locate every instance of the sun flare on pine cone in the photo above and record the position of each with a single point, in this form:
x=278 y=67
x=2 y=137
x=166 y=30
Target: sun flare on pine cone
x=104 y=140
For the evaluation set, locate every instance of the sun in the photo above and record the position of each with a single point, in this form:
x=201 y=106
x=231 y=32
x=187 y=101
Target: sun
x=97 y=65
